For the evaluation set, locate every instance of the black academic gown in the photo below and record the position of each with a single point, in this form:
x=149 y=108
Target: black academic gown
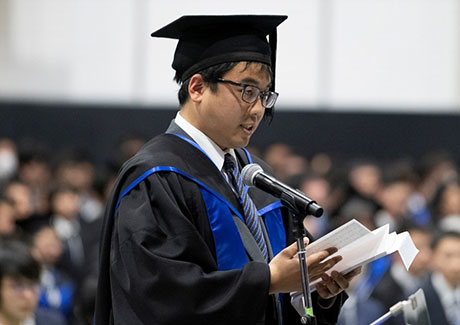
x=158 y=255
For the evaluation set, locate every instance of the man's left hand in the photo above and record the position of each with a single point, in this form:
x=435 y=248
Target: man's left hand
x=334 y=284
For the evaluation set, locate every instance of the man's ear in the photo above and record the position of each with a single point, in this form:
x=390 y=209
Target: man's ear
x=196 y=87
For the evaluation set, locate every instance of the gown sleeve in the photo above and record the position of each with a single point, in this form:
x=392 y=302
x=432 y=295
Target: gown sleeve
x=163 y=267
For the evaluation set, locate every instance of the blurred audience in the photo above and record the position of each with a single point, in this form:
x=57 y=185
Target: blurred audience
x=57 y=202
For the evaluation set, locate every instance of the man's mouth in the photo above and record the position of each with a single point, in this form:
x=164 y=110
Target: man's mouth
x=248 y=127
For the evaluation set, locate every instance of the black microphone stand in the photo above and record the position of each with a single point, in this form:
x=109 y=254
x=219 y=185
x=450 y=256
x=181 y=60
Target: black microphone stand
x=299 y=233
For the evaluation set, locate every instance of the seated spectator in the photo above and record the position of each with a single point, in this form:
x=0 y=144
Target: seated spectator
x=442 y=290
x=360 y=308
x=19 y=287
x=393 y=197
x=57 y=289
x=79 y=236
x=446 y=206
x=19 y=194
x=396 y=283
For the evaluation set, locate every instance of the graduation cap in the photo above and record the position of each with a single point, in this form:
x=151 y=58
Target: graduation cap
x=205 y=41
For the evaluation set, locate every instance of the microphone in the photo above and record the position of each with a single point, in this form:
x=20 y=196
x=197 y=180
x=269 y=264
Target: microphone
x=414 y=309
x=253 y=175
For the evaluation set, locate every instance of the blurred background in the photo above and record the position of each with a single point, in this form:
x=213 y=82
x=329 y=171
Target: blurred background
x=367 y=123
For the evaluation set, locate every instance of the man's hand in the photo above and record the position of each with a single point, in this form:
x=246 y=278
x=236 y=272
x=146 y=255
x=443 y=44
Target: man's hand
x=285 y=269
x=331 y=286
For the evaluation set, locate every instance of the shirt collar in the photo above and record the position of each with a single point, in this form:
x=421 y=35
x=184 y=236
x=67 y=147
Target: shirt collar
x=209 y=146
x=448 y=295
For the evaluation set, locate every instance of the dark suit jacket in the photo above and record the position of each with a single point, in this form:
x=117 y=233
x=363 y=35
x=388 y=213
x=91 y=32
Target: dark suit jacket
x=435 y=308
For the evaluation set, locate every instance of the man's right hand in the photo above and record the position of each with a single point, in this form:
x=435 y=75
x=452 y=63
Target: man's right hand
x=285 y=273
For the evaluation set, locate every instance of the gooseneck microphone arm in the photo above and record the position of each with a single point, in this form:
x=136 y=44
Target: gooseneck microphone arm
x=301 y=206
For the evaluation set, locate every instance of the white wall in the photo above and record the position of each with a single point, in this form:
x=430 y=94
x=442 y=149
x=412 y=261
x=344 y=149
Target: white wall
x=333 y=54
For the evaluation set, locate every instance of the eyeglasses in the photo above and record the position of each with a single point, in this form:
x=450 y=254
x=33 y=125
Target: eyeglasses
x=20 y=286
x=249 y=93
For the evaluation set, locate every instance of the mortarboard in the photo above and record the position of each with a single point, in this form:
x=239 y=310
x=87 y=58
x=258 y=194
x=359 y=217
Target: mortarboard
x=205 y=41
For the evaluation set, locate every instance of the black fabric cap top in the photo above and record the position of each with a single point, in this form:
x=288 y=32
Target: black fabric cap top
x=205 y=41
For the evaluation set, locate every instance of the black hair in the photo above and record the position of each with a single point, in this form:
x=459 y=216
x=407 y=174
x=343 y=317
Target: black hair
x=210 y=76
x=16 y=260
x=435 y=204
x=442 y=235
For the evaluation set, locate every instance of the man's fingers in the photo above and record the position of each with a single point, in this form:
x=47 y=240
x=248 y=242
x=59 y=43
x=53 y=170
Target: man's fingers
x=321 y=255
x=330 y=282
x=340 y=280
x=350 y=275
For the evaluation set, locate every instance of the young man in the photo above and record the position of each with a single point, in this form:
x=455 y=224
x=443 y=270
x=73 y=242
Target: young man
x=182 y=241
x=20 y=287
x=442 y=290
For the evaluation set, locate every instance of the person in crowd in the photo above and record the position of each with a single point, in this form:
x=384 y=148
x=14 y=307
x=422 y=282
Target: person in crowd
x=56 y=288
x=319 y=188
x=433 y=169
x=35 y=171
x=360 y=308
x=79 y=236
x=20 y=287
x=393 y=197
x=445 y=207
x=183 y=239
x=20 y=195
x=75 y=169
x=364 y=178
x=442 y=290
x=394 y=282
x=288 y=165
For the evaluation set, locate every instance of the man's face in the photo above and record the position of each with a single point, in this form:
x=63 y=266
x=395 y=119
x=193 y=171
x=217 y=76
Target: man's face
x=421 y=263
x=447 y=260
x=224 y=116
x=18 y=298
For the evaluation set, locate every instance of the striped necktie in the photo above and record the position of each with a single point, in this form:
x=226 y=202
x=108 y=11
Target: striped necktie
x=250 y=212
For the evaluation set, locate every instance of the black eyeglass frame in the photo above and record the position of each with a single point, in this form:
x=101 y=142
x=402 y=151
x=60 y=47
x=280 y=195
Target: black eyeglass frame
x=264 y=95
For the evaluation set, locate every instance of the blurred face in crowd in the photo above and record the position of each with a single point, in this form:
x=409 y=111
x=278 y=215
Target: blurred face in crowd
x=18 y=299
x=66 y=204
x=421 y=263
x=450 y=201
x=35 y=173
x=78 y=175
x=394 y=197
x=20 y=195
x=446 y=260
x=7 y=222
x=365 y=179
x=47 y=247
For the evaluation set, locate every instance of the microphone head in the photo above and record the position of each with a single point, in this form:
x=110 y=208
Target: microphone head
x=249 y=172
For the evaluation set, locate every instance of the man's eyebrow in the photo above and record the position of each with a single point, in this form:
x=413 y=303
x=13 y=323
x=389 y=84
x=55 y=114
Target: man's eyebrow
x=253 y=82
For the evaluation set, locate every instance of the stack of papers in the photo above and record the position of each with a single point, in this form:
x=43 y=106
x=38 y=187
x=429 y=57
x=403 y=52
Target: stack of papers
x=358 y=246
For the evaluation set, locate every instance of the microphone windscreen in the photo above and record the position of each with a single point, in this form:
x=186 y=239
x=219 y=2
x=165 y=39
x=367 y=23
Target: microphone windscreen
x=248 y=172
